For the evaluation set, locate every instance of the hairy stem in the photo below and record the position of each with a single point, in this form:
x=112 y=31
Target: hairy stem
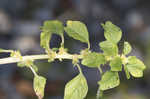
x=9 y=60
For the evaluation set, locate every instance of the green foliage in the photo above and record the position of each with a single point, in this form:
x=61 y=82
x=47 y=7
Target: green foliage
x=48 y=29
x=77 y=30
x=39 y=86
x=109 y=48
x=54 y=26
x=127 y=72
x=127 y=48
x=109 y=80
x=135 y=66
x=112 y=32
x=93 y=59
x=116 y=64
x=45 y=40
x=77 y=88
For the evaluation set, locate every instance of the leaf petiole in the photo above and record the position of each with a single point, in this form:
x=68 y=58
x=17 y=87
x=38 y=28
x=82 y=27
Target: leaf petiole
x=35 y=74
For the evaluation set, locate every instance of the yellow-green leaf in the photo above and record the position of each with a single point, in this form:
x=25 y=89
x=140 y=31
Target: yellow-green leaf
x=45 y=40
x=135 y=66
x=77 y=30
x=93 y=59
x=77 y=88
x=109 y=80
x=127 y=72
x=53 y=26
x=48 y=29
x=116 y=64
x=39 y=86
x=127 y=48
x=109 y=48
x=112 y=32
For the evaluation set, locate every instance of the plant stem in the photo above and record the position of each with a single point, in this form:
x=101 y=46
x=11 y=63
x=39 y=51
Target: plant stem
x=62 y=40
x=99 y=94
x=35 y=74
x=9 y=60
x=100 y=70
x=79 y=68
x=89 y=45
x=5 y=51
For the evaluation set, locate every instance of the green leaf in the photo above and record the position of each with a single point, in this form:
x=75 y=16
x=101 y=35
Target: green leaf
x=45 y=40
x=127 y=48
x=48 y=29
x=109 y=48
x=39 y=86
x=109 y=80
x=77 y=30
x=77 y=88
x=54 y=26
x=112 y=32
x=127 y=72
x=116 y=64
x=93 y=59
x=135 y=66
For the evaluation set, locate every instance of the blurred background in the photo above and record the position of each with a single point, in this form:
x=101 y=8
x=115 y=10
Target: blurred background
x=20 y=22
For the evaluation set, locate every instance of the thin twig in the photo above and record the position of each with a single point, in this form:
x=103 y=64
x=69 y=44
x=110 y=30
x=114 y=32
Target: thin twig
x=9 y=60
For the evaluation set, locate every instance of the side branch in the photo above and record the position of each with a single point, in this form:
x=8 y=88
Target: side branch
x=9 y=60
